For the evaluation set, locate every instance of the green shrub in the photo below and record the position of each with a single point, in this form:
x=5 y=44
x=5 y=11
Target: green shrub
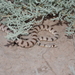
x=21 y=14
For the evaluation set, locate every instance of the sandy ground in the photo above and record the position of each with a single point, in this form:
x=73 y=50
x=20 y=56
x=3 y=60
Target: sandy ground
x=38 y=60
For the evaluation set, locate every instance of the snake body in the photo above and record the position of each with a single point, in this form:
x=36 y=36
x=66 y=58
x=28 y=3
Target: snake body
x=35 y=39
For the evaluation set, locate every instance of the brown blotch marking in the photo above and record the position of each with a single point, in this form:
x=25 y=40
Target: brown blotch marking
x=26 y=39
x=51 y=28
x=43 y=26
x=27 y=43
x=34 y=35
x=39 y=44
x=44 y=45
x=23 y=46
x=34 y=32
x=39 y=27
x=36 y=29
x=46 y=38
x=22 y=42
x=31 y=29
x=57 y=34
x=34 y=39
x=53 y=45
x=47 y=26
x=32 y=42
x=56 y=37
x=42 y=37
x=4 y=26
x=8 y=29
x=38 y=39
x=55 y=31
x=52 y=39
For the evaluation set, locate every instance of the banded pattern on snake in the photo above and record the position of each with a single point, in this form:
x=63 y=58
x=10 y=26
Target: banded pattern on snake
x=35 y=39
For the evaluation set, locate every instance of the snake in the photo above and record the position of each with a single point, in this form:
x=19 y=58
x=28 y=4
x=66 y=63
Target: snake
x=30 y=42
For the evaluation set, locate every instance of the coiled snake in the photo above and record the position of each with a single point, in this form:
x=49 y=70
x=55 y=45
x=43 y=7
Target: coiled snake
x=35 y=39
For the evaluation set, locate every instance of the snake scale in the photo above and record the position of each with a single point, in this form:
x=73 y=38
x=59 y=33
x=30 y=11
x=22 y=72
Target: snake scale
x=35 y=39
